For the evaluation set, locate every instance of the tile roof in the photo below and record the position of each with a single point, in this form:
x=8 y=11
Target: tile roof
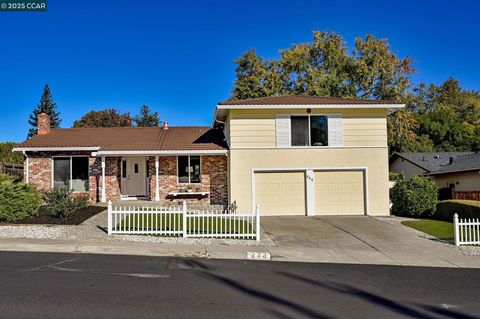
x=132 y=138
x=431 y=162
x=303 y=100
x=461 y=163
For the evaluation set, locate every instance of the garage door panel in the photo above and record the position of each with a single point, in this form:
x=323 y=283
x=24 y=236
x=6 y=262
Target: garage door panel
x=339 y=193
x=280 y=193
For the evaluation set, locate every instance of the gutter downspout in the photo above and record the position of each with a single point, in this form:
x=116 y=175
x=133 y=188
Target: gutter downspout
x=27 y=168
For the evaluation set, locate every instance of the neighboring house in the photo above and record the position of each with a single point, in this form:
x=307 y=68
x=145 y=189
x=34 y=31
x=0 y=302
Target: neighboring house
x=291 y=155
x=413 y=164
x=453 y=172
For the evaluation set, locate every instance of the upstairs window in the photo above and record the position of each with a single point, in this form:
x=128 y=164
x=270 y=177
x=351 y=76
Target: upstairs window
x=309 y=130
x=188 y=169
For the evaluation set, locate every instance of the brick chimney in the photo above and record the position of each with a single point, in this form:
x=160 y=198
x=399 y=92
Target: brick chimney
x=43 y=123
x=165 y=125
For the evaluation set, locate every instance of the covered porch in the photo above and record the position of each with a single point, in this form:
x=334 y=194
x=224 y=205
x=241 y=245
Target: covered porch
x=198 y=177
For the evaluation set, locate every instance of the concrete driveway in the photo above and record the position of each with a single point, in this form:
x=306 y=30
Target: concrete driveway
x=357 y=239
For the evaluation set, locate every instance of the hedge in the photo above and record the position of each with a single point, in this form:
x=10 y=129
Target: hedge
x=414 y=198
x=464 y=208
x=17 y=200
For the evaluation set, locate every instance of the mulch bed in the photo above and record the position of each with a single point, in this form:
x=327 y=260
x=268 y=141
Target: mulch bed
x=77 y=217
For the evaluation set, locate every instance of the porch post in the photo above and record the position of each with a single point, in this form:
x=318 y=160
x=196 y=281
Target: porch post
x=104 y=197
x=157 y=193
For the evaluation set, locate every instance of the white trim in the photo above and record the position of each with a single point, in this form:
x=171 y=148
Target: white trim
x=157 y=188
x=302 y=147
x=310 y=106
x=27 y=167
x=172 y=153
x=104 y=196
x=49 y=149
x=190 y=183
x=296 y=169
x=310 y=191
x=70 y=188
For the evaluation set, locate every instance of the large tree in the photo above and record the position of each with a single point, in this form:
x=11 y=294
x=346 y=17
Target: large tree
x=325 y=67
x=146 y=118
x=48 y=106
x=104 y=118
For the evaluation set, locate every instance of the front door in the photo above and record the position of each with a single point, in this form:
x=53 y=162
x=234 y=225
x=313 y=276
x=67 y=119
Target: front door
x=136 y=176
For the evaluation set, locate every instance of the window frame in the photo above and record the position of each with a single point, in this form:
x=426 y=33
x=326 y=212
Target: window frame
x=309 y=131
x=70 y=188
x=189 y=178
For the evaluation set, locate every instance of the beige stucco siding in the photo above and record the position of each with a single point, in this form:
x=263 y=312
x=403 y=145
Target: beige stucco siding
x=375 y=159
x=256 y=128
x=467 y=181
x=408 y=169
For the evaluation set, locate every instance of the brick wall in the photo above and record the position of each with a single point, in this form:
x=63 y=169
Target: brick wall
x=214 y=177
x=214 y=180
x=40 y=173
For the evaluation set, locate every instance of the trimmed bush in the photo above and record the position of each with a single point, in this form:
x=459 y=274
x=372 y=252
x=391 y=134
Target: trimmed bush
x=60 y=203
x=415 y=198
x=17 y=200
x=464 y=208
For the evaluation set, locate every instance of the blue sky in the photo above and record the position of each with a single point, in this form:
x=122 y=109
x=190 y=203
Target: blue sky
x=177 y=56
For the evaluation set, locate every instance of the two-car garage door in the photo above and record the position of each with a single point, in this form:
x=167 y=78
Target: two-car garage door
x=334 y=192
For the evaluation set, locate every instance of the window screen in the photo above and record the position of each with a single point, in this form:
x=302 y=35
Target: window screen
x=183 y=169
x=61 y=172
x=299 y=130
x=318 y=131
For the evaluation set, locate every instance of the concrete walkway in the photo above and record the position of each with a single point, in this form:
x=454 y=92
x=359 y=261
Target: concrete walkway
x=357 y=240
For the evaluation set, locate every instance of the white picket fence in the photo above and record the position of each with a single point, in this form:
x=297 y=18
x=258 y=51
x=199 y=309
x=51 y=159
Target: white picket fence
x=180 y=221
x=467 y=231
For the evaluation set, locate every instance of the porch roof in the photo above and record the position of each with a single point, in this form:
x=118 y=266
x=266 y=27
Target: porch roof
x=129 y=139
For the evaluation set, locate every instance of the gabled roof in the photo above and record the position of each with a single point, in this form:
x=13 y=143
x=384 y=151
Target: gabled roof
x=430 y=162
x=461 y=164
x=305 y=100
x=129 y=139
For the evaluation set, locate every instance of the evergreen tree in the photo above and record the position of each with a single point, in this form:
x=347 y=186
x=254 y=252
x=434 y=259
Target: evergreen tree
x=48 y=106
x=146 y=118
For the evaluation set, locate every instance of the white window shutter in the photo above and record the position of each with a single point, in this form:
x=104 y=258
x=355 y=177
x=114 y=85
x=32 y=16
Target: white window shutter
x=335 y=130
x=282 y=126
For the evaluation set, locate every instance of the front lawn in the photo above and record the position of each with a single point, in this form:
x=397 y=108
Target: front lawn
x=439 y=229
x=173 y=222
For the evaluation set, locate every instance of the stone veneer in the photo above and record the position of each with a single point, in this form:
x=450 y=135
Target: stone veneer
x=214 y=177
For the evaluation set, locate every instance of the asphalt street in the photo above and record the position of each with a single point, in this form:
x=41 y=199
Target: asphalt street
x=47 y=285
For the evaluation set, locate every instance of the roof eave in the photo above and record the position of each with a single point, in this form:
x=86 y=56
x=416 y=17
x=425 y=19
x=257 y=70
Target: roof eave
x=389 y=107
x=162 y=152
x=456 y=171
x=54 y=149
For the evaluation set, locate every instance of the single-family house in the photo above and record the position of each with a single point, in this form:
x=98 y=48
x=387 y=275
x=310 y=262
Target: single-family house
x=457 y=174
x=291 y=155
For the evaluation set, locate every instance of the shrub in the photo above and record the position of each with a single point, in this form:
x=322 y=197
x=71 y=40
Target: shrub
x=60 y=203
x=17 y=200
x=464 y=208
x=396 y=177
x=415 y=198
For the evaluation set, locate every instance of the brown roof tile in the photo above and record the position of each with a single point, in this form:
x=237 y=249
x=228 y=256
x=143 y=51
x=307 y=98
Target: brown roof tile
x=303 y=100
x=132 y=138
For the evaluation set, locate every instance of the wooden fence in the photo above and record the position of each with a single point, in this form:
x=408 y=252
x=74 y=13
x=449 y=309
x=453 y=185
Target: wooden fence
x=467 y=231
x=180 y=221
x=472 y=195
x=11 y=169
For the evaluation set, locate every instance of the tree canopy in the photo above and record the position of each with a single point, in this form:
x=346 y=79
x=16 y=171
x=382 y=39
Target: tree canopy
x=146 y=118
x=325 y=67
x=104 y=118
x=48 y=106
x=441 y=117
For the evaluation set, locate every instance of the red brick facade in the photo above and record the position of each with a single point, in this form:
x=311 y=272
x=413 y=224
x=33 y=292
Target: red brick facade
x=214 y=177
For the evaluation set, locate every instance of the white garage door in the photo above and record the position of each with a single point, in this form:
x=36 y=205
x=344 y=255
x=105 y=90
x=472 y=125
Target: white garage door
x=280 y=193
x=339 y=193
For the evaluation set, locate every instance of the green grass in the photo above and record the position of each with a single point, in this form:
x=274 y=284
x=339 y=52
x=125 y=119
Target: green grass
x=174 y=222
x=439 y=229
